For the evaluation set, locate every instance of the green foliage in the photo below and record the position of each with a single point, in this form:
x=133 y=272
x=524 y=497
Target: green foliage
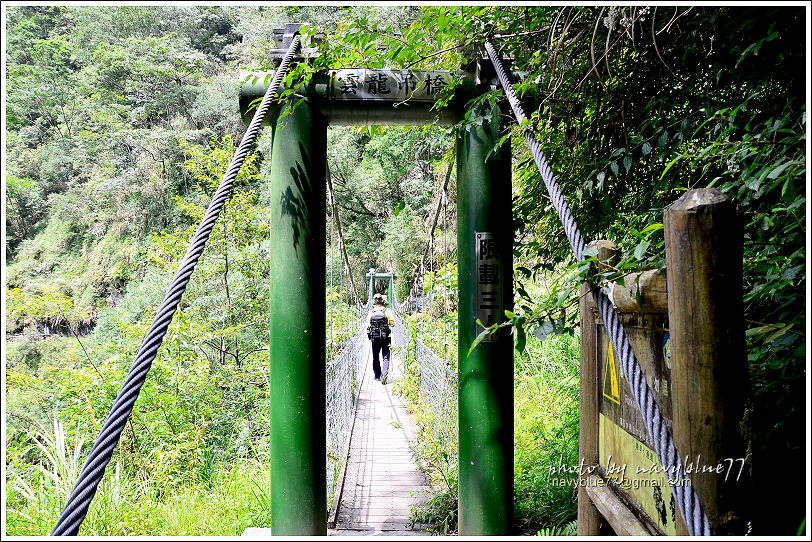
x=200 y=429
x=441 y=287
x=46 y=306
x=115 y=122
x=191 y=427
x=384 y=189
x=436 y=446
x=126 y=504
x=439 y=514
x=403 y=246
x=24 y=207
x=626 y=132
x=342 y=321
x=128 y=72
x=546 y=430
x=570 y=529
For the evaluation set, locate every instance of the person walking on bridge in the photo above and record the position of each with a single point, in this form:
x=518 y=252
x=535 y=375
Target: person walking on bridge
x=380 y=321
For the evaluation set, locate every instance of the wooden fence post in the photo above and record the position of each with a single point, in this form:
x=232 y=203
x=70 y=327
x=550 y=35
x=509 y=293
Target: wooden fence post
x=703 y=239
x=589 y=519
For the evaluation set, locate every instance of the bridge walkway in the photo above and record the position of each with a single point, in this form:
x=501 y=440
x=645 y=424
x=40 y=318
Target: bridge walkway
x=381 y=481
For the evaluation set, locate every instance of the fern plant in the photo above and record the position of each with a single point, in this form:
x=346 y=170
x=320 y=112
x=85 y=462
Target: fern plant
x=568 y=529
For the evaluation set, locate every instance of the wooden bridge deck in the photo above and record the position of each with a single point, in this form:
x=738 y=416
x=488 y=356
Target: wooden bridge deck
x=381 y=481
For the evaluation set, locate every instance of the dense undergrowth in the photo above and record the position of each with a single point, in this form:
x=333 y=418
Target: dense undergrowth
x=223 y=502
x=194 y=459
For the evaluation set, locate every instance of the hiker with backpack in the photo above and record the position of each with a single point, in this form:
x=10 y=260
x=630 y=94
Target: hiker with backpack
x=379 y=330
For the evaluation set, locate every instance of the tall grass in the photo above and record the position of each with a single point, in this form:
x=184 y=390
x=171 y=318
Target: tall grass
x=232 y=497
x=546 y=432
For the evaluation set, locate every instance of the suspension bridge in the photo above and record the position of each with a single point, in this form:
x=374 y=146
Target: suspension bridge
x=340 y=441
x=373 y=474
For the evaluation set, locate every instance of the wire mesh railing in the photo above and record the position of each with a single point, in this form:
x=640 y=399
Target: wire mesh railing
x=417 y=302
x=436 y=377
x=345 y=372
x=399 y=340
x=438 y=390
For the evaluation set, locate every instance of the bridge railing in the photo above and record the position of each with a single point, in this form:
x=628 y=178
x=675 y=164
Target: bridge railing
x=438 y=391
x=345 y=372
x=437 y=384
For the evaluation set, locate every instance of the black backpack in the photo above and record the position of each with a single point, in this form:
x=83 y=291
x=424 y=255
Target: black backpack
x=378 y=325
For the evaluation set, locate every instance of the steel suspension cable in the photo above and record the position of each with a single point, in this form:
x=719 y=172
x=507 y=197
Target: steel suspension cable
x=93 y=470
x=417 y=273
x=687 y=499
x=337 y=219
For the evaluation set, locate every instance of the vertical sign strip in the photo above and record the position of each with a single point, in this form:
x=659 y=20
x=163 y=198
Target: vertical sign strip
x=489 y=282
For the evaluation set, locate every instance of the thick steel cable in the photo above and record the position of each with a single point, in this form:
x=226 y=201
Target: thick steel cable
x=86 y=485
x=696 y=520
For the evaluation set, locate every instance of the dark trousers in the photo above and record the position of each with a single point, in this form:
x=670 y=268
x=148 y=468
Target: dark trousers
x=380 y=346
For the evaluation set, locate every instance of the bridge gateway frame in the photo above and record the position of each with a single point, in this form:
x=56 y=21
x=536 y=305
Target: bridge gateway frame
x=372 y=276
x=297 y=273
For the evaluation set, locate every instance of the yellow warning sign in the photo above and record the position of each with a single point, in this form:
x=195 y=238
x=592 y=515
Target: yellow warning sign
x=611 y=384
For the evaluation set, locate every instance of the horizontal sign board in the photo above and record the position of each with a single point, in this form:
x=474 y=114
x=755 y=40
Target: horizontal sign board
x=390 y=85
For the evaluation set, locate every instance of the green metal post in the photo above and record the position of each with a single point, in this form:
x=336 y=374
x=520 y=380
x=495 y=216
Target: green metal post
x=391 y=292
x=485 y=252
x=297 y=324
